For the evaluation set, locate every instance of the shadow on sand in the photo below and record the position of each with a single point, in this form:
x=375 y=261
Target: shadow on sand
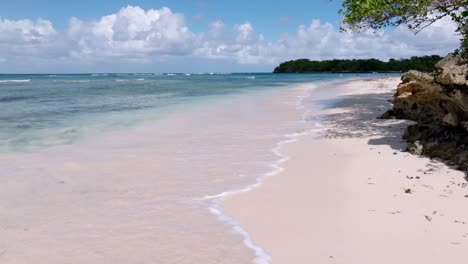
x=355 y=116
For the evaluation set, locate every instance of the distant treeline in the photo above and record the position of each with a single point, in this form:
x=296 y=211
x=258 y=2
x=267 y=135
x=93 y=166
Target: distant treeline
x=425 y=63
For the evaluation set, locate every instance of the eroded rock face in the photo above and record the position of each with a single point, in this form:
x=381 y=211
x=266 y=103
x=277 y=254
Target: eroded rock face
x=452 y=71
x=438 y=102
x=447 y=143
x=419 y=98
x=413 y=75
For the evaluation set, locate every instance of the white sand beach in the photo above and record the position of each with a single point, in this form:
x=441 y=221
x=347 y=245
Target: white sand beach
x=350 y=195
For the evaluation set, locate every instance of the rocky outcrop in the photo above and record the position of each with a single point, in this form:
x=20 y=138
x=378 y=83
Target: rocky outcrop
x=438 y=102
x=452 y=71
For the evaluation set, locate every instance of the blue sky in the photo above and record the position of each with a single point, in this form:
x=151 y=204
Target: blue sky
x=200 y=35
x=272 y=18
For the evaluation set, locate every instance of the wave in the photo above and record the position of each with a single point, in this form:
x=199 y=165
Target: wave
x=262 y=257
x=8 y=99
x=142 y=74
x=15 y=81
x=129 y=80
x=99 y=74
x=73 y=81
x=250 y=77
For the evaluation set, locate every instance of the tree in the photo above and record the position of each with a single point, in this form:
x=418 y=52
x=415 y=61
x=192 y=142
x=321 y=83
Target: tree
x=416 y=14
x=425 y=63
x=464 y=41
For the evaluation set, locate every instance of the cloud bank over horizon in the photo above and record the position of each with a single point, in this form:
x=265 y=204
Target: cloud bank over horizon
x=153 y=38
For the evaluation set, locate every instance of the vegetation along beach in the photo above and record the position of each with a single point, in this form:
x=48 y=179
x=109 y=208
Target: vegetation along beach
x=235 y=132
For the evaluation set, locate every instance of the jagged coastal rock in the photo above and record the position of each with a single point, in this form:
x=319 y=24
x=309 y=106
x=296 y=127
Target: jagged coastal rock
x=438 y=102
x=452 y=71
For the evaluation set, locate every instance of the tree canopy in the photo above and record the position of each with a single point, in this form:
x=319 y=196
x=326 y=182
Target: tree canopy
x=416 y=14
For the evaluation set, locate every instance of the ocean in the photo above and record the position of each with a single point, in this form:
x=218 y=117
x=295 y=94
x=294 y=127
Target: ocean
x=39 y=111
x=130 y=168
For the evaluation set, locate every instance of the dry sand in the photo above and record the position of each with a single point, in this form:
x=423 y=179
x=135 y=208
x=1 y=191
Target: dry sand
x=341 y=197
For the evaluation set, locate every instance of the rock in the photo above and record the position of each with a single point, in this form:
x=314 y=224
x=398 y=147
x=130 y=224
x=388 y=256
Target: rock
x=465 y=125
x=390 y=114
x=451 y=71
x=451 y=119
x=415 y=148
x=419 y=101
x=438 y=103
x=417 y=75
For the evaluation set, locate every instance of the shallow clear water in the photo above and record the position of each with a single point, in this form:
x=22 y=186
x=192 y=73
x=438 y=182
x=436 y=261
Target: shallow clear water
x=106 y=171
x=44 y=110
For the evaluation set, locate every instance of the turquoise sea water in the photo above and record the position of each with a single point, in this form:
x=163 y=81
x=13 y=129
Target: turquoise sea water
x=38 y=111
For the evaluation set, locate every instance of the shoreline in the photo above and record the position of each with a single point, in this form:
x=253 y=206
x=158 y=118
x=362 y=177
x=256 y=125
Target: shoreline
x=217 y=200
x=279 y=213
x=261 y=257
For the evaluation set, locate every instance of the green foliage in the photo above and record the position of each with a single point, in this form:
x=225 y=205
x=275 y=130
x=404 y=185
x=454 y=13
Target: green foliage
x=417 y=14
x=425 y=63
x=464 y=42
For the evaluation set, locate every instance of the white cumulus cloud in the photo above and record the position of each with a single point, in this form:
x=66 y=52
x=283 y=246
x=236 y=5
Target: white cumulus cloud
x=25 y=38
x=324 y=41
x=131 y=34
x=137 y=36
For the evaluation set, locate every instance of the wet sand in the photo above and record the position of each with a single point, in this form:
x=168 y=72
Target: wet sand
x=349 y=194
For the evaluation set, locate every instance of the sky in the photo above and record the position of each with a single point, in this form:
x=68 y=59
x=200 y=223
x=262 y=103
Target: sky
x=52 y=36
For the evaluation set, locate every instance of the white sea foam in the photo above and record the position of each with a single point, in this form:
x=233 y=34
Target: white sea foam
x=76 y=81
x=72 y=81
x=99 y=74
x=250 y=77
x=15 y=81
x=261 y=256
